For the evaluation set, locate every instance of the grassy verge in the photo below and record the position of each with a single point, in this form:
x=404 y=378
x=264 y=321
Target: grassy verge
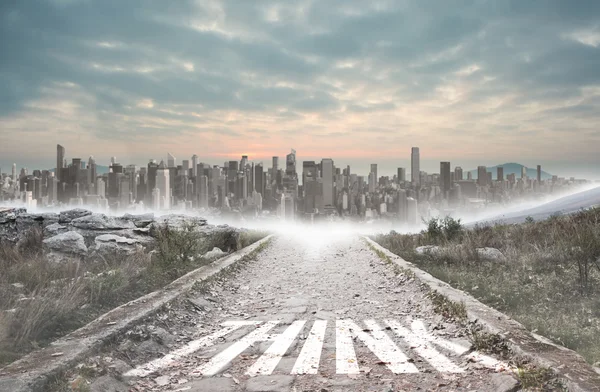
x=41 y=300
x=548 y=278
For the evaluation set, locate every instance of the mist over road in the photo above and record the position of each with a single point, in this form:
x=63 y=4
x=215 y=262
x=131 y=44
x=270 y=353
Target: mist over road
x=311 y=313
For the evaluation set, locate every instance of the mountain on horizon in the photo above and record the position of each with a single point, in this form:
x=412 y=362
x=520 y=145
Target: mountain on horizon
x=510 y=168
x=99 y=169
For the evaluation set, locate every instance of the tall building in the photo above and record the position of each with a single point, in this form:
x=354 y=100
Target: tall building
x=171 y=162
x=60 y=161
x=163 y=184
x=327 y=167
x=445 y=182
x=500 y=173
x=458 y=173
x=401 y=174
x=259 y=186
x=203 y=192
x=415 y=167
x=195 y=166
x=14 y=172
x=92 y=173
x=539 y=173
x=185 y=166
x=275 y=164
x=374 y=170
x=481 y=175
x=523 y=172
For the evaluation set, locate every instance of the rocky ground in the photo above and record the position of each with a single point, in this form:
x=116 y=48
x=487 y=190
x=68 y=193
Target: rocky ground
x=81 y=233
x=308 y=315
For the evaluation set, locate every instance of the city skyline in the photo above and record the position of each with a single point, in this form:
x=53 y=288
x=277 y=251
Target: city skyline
x=471 y=84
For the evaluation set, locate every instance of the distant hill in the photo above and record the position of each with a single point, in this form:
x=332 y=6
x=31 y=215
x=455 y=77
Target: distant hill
x=510 y=168
x=99 y=169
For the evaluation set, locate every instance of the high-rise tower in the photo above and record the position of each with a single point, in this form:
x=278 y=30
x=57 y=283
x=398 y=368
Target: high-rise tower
x=60 y=161
x=415 y=166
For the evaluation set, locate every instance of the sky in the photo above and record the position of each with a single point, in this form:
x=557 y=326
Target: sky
x=470 y=82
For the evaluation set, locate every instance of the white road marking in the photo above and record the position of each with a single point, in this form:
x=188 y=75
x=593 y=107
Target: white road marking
x=345 y=356
x=384 y=347
x=424 y=349
x=191 y=347
x=269 y=360
x=310 y=356
x=216 y=363
x=419 y=329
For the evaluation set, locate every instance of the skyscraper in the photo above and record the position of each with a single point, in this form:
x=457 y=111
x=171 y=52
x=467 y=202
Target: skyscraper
x=523 y=172
x=203 y=192
x=500 y=173
x=401 y=174
x=481 y=175
x=445 y=182
x=374 y=170
x=539 y=173
x=60 y=161
x=14 y=172
x=415 y=167
x=327 y=167
x=195 y=166
x=275 y=164
x=258 y=179
x=458 y=173
x=163 y=184
x=92 y=171
x=171 y=160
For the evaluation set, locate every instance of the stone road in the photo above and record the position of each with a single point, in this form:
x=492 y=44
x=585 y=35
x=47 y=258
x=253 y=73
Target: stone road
x=317 y=315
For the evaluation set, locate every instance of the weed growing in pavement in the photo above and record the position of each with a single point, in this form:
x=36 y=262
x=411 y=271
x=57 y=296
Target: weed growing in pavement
x=490 y=343
x=538 y=379
x=41 y=301
x=447 y=308
x=549 y=279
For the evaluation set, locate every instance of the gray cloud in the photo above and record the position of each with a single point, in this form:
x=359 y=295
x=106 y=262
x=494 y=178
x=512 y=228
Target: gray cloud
x=159 y=67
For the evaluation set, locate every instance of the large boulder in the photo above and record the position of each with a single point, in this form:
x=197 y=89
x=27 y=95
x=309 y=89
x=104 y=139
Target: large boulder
x=8 y=215
x=69 y=215
x=70 y=242
x=432 y=250
x=55 y=229
x=101 y=222
x=27 y=221
x=111 y=243
x=490 y=254
x=140 y=221
x=177 y=221
x=214 y=254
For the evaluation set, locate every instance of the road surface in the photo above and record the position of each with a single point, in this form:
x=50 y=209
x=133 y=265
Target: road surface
x=316 y=315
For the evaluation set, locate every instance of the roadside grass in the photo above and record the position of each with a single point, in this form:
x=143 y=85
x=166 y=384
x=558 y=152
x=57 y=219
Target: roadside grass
x=42 y=300
x=549 y=280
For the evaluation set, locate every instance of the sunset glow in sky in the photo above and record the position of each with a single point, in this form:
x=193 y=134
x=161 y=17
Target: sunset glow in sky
x=471 y=82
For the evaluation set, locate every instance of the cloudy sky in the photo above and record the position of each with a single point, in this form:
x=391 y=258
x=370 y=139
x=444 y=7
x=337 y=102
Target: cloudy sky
x=470 y=82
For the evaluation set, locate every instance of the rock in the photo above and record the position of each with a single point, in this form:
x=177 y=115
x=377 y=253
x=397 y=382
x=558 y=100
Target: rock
x=27 y=221
x=428 y=250
x=55 y=229
x=69 y=242
x=214 y=254
x=101 y=222
x=108 y=384
x=490 y=254
x=162 y=380
x=503 y=383
x=69 y=215
x=140 y=221
x=10 y=214
x=106 y=243
x=269 y=383
x=213 y=384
